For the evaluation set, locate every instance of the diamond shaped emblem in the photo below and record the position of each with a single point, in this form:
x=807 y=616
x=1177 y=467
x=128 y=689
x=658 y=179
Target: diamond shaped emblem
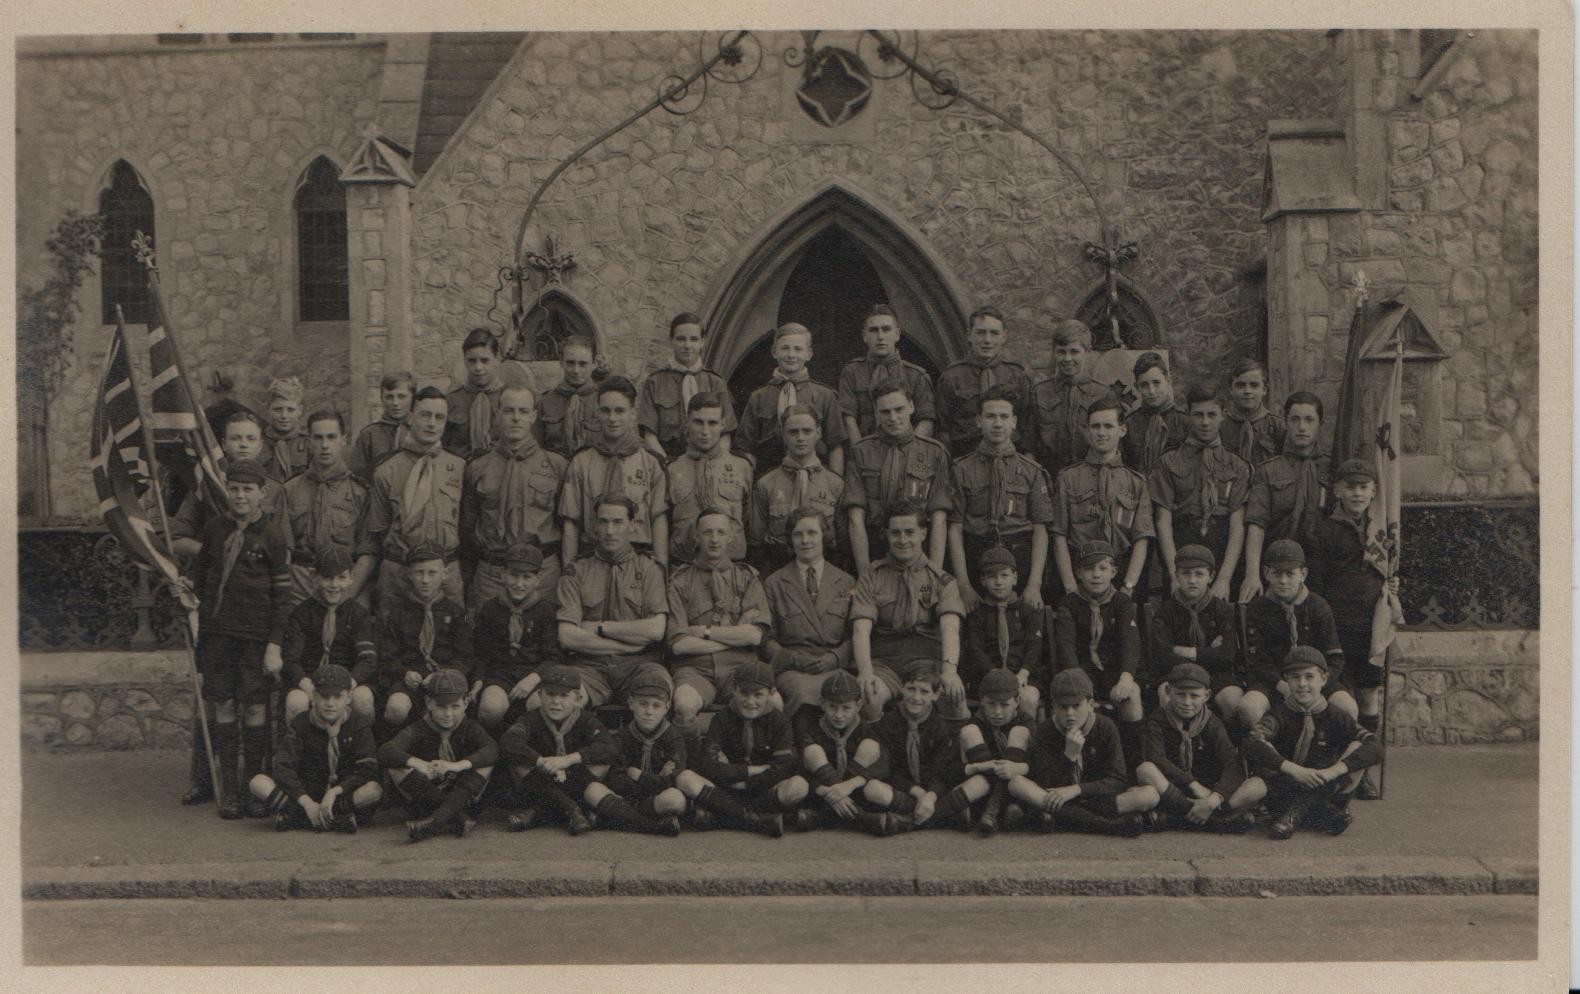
x=834 y=88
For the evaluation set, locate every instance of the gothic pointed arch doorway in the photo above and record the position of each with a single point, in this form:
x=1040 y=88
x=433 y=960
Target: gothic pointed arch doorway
x=823 y=264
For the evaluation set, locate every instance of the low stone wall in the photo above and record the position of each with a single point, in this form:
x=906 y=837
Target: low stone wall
x=1450 y=688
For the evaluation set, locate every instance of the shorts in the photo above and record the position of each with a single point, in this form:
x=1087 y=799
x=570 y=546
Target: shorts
x=605 y=679
x=759 y=798
x=709 y=675
x=1359 y=673
x=507 y=677
x=232 y=669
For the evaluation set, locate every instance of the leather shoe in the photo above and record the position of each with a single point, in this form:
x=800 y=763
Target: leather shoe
x=521 y=821
x=198 y=793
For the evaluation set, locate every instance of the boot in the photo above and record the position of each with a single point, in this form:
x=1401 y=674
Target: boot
x=730 y=812
x=703 y=820
x=227 y=744
x=1014 y=817
x=1332 y=815
x=1285 y=824
x=617 y=811
x=951 y=808
x=987 y=823
x=1367 y=789
x=200 y=788
x=342 y=816
x=457 y=800
x=525 y=819
x=1078 y=819
x=290 y=817
x=1226 y=822
x=1174 y=802
x=879 y=823
x=254 y=754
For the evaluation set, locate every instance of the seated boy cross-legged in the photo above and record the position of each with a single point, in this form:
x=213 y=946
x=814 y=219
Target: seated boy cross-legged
x=514 y=636
x=1306 y=755
x=1186 y=756
x=993 y=748
x=653 y=752
x=1078 y=780
x=326 y=770
x=439 y=764
x=921 y=747
x=841 y=756
x=746 y=772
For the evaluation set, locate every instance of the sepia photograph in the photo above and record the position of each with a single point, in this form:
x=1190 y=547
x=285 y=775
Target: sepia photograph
x=748 y=496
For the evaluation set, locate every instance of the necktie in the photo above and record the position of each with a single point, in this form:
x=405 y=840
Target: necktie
x=1070 y=413
x=811 y=583
x=788 y=395
x=1003 y=634
x=417 y=494
x=232 y=554
x=997 y=457
x=905 y=605
x=480 y=417
x=328 y=631
x=1095 y=607
x=913 y=747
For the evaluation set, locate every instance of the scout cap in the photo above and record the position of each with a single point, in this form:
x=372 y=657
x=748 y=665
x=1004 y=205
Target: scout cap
x=755 y=676
x=921 y=668
x=1194 y=555
x=423 y=552
x=1187 y=674
x=334 y=562
x=997 y=557
x=649 y=683
x=1356 y=469
x=524 y=558
x=246 y=471
x=331 y=678
x=1284 y=552
x=998 y=685
x=447 y=686
x=1070 y=685
x=560 y=678
x=1301 y=656
x=1091 y=552
x=841 y=688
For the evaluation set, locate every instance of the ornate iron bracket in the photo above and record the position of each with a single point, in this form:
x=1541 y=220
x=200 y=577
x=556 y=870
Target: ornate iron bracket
x=553 y=266
x=1111 y=255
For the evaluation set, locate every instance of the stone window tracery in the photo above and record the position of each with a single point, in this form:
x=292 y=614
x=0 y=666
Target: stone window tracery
x=323 y=291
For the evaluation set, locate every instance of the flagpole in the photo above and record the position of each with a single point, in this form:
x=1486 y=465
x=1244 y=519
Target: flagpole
x=186 y=625
x=1395 y=519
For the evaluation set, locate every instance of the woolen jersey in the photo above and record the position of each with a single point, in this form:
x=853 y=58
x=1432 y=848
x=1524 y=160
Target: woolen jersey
x=1278 y=731
x=724 y=758
x=539 y=644
x=809 y=731
x=669 y=747
x=301 y=763
x=1102 y=771
x=531 y=738
x=1170 y=626
x=353 y=647
x=256 y=600
x=399 y=628
x=938 y=751
x=469 y=741
x=1215 y=762
x=981 y=649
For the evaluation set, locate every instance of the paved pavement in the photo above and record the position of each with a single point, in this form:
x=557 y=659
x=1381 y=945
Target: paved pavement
x=1457 y=820
x=908 y=930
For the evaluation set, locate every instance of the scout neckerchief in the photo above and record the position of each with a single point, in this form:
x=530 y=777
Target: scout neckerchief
x=1308 y=726
x=518 y=617
x=893 y=470
x=999 y=459
x=747 y=743
x=574 y=398
x=787 y=383
x=1188 y=734
x=1095 y=606
x=987 y=371
x=1071 y=411
x=332 y=734
x=801 y=472
x=648 y=742
x=841 y=757
x=1197 y=634
x=1105 y=468
x=280 y=447
x=1156 y=434
x=706 y=464
x=722 y=590
x=688 y=380
x=884 y=372
x=446 y=748
x=1079 y=763
x=613 y=561
x=417 y=494
x=913 y=742
x=615 y=454
x=561 y=730
x=907 y=605
x=324 y=482
x=1289 y=612
x=516 y=499
x=327 y=632
x=1307 y=483
x=429 y=630
x=1001 y=608
x=1248 y=430
x=480 y=413
x=1207 y=453
x=232 y=552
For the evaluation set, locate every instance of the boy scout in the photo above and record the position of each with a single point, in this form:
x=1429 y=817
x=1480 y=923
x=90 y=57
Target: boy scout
x=718 y=615
x=241 y=440
x=800 y=480
x=809 y=602
x=324 y=504
x=616 y=463
x=652 y=752
x=1099 y=499
x=1187 y=757
x=1305 y=755
x=962 y=385
x=1004 y=632
x=415 y=500
x=469 y=428
x=242 y=580
x=1250 y=430
x=840 y=756
x=1193 y=624
x=420 y=631
x=745 y=772
x=922 y=749
x=1199 y=490
x=1347 y=563
x=1287 y=615
x=993 y=748
x=758 y=439
x=509 y=496
x=1002 y=499
x=904 y=608
x=568 y=414
x=326 y=770
x=1078 y=779
x=882 y=369
x=329 y=628
x=288 y=452
x=707 y=475
x=515 y=634
x=1057 y=433
x=1288 y=492
x=895 y=464
x=1156 y=426
x=612 y=607
x=1095 y=631
x=440 y=764
x=385 y=435
x=666 y=393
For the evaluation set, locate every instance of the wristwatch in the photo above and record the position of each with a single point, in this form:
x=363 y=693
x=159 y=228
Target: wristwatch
x=707 y=633
x=600 y=629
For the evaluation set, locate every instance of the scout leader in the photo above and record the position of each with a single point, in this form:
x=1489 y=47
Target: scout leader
x=385 y=435
x=415 y=500
x=962 y=385
x=510 y=496
x=1289 y=491
x=1199 y=491
x=325 y=504
x=759 y=439
x=800 y=480
x=1250 y=430
x=285 y=442
x=1099 y=499
x=568 y=414
x=809 y=601
x=862 y=380
x=666 y=393
x=474 y=405
x=1002 y=499
x=616 y=463
x=1057 y=432
x=895 y=464
x=707 y=475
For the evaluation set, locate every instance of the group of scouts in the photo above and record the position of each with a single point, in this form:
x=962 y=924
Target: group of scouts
x=450 y=605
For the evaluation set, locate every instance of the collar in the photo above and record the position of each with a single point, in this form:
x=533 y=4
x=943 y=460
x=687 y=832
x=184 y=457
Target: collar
x=812 y=465
x=493 y=386
x=566 y=390
x=1199 y=604
x=533 y=599
x=816 y=568
x=526 y=450
x=1158 y=412
x=721 y=566
x=1294 y=453
x=1013 y=600
x=336 y=472
x=675 y=365
x=717 y=454
x=624 y=556
x=781 y=377
x=991 y=451
x=416 y=448
x=270 y=434
x=984 y=363
x=1299 y=599
x=873 y=361
x=385 y=419
x=333 y=730
x=1191 y=441
x=1094 y=458
x=894 y=441
x=626 y=446
x=1098 y=601
x=920 y=562
x=1233 y=414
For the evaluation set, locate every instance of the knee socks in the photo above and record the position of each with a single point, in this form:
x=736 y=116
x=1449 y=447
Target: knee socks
x=227 y=746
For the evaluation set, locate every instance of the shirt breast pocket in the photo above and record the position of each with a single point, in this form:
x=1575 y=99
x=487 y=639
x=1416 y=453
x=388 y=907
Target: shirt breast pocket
x=1017 y=499
x=1281 y=496
x=979 y=497
x=343 y=513
x=1125 y=505
x=667 y=405
x=1083 y=507
x=918 y=483
x=541 y=488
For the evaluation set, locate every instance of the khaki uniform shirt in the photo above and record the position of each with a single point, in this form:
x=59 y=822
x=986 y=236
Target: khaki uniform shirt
x=732 y=595
x=758 y=433
x=1000 y=502
x=860 y=376
x=458 y=425
x=1197 y=484
x=923 y=474
x=1255 y=441
x=720 y=479
x=1058 y=411
x=661 y=405
x=641 y=478
x=1102 y=503
x=958 y=389
x=284 y=457
x=905 y=600
x=595 y=589
x=335 y=506
x=382 y=532
x=553 y=408
x=774 y=498
x=1274 y=487
x=494 y=516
